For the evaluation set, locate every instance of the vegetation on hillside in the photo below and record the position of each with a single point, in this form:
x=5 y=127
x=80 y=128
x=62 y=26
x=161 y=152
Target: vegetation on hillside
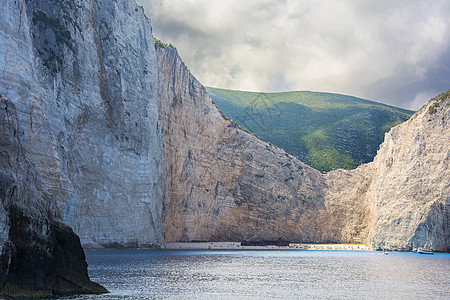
x=326 y=131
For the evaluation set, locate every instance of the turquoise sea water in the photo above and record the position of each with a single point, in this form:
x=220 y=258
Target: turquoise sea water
x=272 y=274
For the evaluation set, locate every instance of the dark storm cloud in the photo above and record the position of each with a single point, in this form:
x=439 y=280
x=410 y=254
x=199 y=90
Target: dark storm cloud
x=395 y=52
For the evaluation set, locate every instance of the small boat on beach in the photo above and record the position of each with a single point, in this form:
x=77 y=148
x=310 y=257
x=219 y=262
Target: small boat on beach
x=424 y=251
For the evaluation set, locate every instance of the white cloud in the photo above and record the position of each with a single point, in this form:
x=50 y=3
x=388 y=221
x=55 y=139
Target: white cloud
x=390 y=51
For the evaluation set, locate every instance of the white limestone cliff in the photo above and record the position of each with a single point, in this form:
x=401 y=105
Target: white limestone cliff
x=82 y=75
x=130 y=145
x=225 y=184
x=39 y=255
x=410 y=189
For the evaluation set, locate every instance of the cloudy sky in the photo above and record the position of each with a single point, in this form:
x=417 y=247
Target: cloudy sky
x=396 y=52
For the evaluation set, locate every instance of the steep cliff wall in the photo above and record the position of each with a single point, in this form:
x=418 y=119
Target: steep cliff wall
x=410 y=190
x=112 y=126
x=39 y=255
x=83 y=76
x=404 y=192
x=225 y=184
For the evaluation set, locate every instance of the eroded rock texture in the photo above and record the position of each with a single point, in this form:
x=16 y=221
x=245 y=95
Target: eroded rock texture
x=403 y=196
x=83 y=76
x=39 y=255
x=135 y=153
x=410 y=189
x=225 y=184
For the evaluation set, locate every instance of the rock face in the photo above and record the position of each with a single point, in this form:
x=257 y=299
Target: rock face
x=410 y=181
x=135 y=153
x=39 y=255
x=225 y=184
x=403 y=196
x=83 y=77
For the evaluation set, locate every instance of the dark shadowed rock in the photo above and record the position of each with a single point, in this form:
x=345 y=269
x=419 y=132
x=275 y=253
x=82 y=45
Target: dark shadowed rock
x=40 y=256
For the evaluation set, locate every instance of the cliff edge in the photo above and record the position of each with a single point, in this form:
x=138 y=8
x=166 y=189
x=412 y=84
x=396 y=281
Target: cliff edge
x=410 y=189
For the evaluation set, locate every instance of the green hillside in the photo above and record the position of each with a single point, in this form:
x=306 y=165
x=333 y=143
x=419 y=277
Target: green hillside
x=326 y=131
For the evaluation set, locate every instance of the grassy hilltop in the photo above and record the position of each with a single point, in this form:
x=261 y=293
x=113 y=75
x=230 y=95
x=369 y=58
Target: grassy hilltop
x=326 y=131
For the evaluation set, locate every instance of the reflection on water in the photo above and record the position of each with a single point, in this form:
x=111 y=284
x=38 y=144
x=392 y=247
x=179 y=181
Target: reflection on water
x=283 y=274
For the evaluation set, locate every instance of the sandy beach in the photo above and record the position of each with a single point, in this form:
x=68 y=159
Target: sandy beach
x=292 y=246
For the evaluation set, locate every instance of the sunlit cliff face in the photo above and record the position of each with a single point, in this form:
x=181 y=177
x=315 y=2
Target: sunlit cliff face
x=135 y=153
x=225 y=184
